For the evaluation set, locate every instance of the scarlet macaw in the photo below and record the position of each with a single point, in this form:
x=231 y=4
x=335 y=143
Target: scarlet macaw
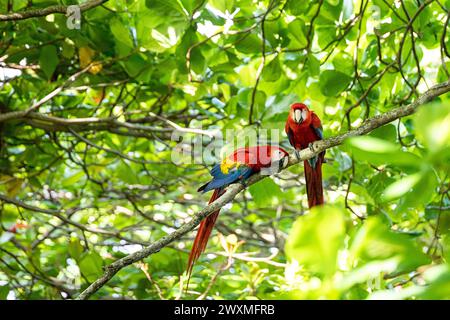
x=237 y=167
x=303 y=127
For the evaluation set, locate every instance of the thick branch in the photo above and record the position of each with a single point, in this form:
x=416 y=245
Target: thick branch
x=234 y=189
x=46 y=11
x=94 y=124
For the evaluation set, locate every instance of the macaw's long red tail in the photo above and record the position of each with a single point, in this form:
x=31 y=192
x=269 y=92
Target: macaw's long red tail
x=313 y=177
x=203 y=233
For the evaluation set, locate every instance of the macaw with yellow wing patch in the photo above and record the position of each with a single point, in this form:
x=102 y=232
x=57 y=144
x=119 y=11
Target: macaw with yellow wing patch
x=237 y=167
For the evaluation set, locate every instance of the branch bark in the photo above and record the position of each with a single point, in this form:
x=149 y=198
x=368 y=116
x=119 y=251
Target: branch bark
x=233 y=190
x=34 y=13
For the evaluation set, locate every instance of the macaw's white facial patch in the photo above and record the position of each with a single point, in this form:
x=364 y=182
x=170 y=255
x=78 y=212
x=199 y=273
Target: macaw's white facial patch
x=298 y=116
x=277 y=156
x=285 y=161
x=304 y=114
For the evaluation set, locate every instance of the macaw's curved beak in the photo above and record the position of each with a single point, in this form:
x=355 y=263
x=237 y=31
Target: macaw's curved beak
x=298 y=118
x=282 y=163
x=285 y=162
x=275 y=166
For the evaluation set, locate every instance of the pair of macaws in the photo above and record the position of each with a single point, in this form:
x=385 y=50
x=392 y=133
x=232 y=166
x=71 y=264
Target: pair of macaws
x=303 y=127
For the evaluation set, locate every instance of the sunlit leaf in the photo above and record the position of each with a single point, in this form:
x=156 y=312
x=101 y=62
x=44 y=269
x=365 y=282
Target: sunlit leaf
x=91 y=266
x=402 y=186
x=316 y=238
x=48 y=60
x=333 y=82
x=375 y=242
x=265 y=192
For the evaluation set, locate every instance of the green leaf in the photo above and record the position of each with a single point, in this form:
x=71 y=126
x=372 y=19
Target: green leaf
x=75 y=249
x=137 y=66
x=437 y=287
x=313 y=65
x=333 y=82
x=198 y=62
x=247 y=75
x=446 y=245
x=48 y=60
x=70 y=181
x=297 y=7
x=190 y=5
x=91 y=266
x=126 y=173
x=279 y=107
x=68 y=50
x=222 y=5
x=366 y=272
x=297 y=34
x=250 y=43
x=375 y=241
x=422 y=192
x=272 y=71
x=316 y=238
x=333 y=2
x=325 y=34
x=371 y=144
x=438 y=278
x=432 y=123
x=379 y=151
x=400 y=187
x=124 y=43
x=387 y=133
x=265 y=192
x=165 y=7
x=343 y=62
x=4 y=290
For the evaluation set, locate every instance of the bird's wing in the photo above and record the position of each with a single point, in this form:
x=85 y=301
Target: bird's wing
x=226 y=174
x=316 y=125
x=290 y=135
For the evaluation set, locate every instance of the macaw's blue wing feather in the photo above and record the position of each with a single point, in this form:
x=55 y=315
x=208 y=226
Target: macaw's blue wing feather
x=313 y=161
x=216 y=172
x=319 y=132
x=222 y=180
x=316 y=125
x=290 y=135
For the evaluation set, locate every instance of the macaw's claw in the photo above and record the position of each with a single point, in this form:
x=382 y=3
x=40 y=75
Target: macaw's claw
x=311 y=146
x=297 y=154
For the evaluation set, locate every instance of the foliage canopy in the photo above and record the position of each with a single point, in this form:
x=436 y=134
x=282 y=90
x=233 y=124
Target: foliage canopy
x=86 y=175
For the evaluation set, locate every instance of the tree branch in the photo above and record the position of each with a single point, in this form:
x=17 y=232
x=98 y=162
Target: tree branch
x=34 y=13
x=235 y=189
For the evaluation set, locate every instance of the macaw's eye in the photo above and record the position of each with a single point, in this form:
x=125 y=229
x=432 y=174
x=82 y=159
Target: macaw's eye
x=277 y=156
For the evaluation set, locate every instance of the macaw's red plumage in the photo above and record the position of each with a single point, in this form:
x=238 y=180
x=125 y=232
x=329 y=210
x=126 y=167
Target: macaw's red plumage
x=303 y=127
x=238 y=166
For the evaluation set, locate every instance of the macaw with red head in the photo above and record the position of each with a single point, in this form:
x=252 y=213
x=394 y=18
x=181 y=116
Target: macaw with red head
x=303 y=127
x=237 y=167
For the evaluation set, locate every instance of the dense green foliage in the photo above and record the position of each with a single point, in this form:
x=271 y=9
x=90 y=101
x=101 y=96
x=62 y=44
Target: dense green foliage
x=87 y=176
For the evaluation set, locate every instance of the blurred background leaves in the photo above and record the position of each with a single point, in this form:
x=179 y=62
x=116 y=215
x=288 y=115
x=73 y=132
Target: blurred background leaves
x=90 y=193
